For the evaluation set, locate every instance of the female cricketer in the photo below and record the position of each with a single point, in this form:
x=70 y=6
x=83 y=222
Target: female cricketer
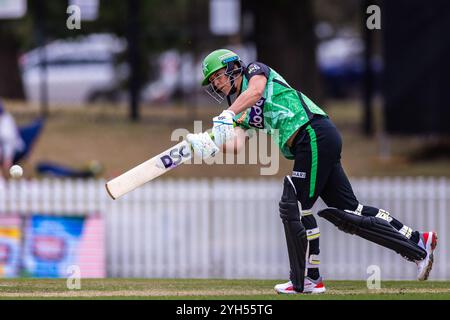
x=259 y=98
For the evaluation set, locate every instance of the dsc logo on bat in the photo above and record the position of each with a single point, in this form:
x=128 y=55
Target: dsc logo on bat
x=174 y=157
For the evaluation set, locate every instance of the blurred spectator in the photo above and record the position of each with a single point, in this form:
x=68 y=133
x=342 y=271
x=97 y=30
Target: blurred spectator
x=169 y=64
x=10 y=140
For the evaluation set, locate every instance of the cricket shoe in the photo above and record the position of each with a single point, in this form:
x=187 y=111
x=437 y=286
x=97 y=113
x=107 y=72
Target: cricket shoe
x=310 y=286
x=428 y=241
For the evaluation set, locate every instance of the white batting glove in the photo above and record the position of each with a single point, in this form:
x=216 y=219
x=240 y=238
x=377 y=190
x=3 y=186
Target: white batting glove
x=223 y=129
x=202 y=144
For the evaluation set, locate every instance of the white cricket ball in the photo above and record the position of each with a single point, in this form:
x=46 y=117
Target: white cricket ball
x=16 y=171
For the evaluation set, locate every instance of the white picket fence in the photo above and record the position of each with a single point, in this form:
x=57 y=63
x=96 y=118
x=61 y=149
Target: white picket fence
x=230 y=228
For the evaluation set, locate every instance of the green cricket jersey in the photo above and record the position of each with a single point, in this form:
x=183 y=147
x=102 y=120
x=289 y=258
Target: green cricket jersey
x=280 y=108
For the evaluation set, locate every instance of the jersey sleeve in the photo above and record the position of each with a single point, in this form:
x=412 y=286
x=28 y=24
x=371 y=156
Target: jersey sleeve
x=256 y=68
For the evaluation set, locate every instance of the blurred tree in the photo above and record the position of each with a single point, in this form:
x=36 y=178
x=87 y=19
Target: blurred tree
x=339 y=13
x=11 y=83
x=285 y=40
x=162 y=24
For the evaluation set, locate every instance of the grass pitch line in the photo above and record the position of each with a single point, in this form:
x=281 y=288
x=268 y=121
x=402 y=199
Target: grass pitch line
x=136 y=293
x=228 y=292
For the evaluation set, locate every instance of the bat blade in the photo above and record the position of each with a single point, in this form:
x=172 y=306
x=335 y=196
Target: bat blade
x=149 y=170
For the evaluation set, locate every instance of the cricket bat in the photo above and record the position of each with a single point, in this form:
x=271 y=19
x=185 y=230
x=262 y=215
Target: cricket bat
x=149 y=170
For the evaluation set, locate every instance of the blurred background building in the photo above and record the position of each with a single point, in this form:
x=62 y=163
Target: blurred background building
x=99 y=86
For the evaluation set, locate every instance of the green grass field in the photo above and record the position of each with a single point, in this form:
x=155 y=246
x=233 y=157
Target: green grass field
x=211 y=289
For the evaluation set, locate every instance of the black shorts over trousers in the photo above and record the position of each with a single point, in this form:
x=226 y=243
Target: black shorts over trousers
x=317 y=167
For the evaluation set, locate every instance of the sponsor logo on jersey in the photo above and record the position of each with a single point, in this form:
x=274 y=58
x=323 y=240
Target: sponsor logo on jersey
x=256 y=118
x=253 y=68
x=299 y=174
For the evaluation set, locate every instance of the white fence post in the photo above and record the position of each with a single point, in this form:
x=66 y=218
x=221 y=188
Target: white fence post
x=230 y=228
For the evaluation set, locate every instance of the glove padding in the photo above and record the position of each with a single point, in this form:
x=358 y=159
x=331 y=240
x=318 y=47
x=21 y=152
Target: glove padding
x=223 y=129
x=202 y=144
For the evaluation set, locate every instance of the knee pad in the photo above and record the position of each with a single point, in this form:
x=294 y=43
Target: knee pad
x=289 y=205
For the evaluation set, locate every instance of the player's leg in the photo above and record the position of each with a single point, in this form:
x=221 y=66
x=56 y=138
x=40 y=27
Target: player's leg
x=296 y=240
x=315 y=154
x=375 y=224
x=311 y=168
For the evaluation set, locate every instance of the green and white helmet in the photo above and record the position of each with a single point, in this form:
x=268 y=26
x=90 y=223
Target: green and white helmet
x=216 y=60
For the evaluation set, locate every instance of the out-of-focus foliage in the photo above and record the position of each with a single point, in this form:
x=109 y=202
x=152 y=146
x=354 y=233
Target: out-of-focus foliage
x=162 y=25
